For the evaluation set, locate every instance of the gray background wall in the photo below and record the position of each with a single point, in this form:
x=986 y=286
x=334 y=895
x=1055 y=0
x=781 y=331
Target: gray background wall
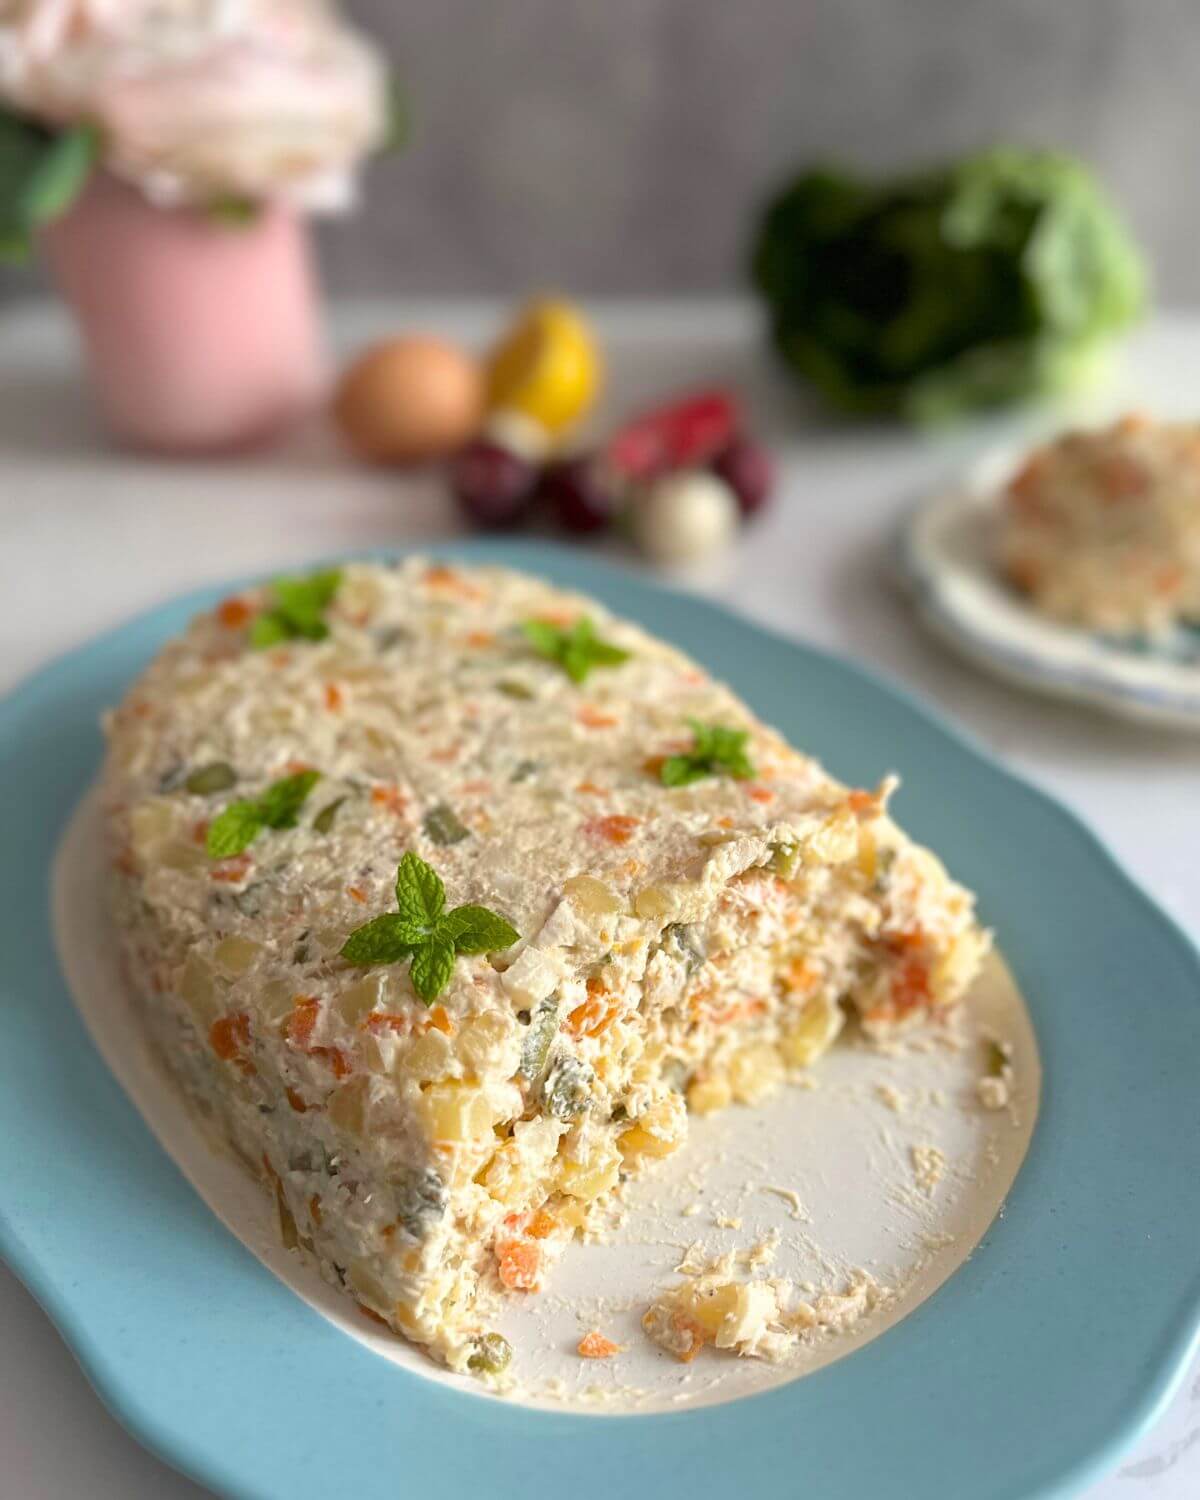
x=621 y=145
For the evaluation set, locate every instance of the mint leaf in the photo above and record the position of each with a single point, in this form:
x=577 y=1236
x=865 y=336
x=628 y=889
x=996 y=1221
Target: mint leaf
x=718 y=750
x=279 y=806
x=419 y=928
x=242 y=822
x=475 y=929
x=682 y=770
x=268 y=630
x=432 y=965
x=382 y=940
x=299 y=604
x=233 y=830
x=576 y=650
x=420 y=894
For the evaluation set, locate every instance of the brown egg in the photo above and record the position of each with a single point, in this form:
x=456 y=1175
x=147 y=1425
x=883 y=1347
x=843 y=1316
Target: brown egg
x=409 y=399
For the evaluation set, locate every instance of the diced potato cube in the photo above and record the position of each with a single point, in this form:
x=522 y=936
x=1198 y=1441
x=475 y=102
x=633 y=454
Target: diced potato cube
x=655 y=902
x=482 y=1041
x=754 y=1072
x=236 y=954
x=596 y=1174
x=658 y=1131
x=367 y=1285
x=590 y=895
x=428 y=1058
x=835 y=842
x=276 y=1001
x=358 y=1000
x=149 y=823
x=347 y=1106
x=457 y=1113
x=707 y=1095
x=812 y=1035
x=198 y=991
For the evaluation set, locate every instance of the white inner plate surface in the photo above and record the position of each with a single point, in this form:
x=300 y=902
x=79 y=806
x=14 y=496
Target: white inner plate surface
x=883 y=1162
x=947 y=559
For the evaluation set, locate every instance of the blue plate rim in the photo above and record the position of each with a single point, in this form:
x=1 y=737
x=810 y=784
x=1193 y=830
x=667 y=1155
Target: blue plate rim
x=176 y=1446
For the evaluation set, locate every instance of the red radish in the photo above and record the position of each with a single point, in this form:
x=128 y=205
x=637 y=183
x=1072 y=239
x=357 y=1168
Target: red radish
x=493 y=485
x=688 y=433
x=580 y=493
x=745 y=466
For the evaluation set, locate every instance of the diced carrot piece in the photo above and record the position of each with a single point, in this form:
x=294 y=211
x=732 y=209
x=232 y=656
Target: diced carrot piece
x=335 y=1057
x=481 y=639
x=334 y=701
x=233 y=871
x=519 y=1263
x=314 y=1210
x=595 y=1346
x=294 y=1099
x=298 y=1028
x=615 y=829
x=590 y=789
x=594 y=718
x=229 y=1035
x=760 y=794
x=233 y=613
x=542 y=1225
x=863 y=804
x=450 y=582
x=441 y=1020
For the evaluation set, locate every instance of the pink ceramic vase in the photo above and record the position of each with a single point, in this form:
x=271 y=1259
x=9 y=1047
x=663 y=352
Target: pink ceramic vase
x=200 y=336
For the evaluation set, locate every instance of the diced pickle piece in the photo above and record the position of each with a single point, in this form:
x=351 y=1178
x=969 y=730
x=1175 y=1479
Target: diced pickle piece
x=217 y=777
x=492 y=1354
x=443 y=825
x=543 y=1028
x=568 y=1087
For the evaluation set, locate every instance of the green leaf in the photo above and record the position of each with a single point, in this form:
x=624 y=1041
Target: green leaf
x=717 y=749
x=382 y=940
x=399 y=117
x=279 y=806
x=546 y=639
x=420 y=894
x=234 y=829
x=475 y=929
x=323 y=822
x=432 y=966
x=299 y=603
x=268 y=630
x=233 y=212
x=442 y=825
x=682 y=770
x=577 y=650
x=41 y=174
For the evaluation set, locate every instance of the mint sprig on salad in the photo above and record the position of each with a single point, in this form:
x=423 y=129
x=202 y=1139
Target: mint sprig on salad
x=576 y=650
x=423 y=930
x=297 y=610
x=241 y=823
x=717 y=751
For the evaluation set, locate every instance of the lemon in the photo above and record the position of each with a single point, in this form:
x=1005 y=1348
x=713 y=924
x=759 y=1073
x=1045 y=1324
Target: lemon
x=547 y=366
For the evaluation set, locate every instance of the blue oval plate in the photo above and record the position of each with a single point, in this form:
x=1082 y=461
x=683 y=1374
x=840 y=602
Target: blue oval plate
x=1023 y=1377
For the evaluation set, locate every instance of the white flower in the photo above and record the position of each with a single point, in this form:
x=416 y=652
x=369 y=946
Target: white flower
x=203 y=99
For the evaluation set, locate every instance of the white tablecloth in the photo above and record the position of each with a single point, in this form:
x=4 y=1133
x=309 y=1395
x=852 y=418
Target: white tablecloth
x=88 y=537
